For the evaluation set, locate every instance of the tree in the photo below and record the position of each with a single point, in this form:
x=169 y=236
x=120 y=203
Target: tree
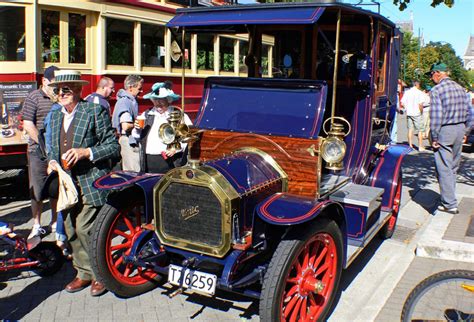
x=447 y=55
x=403 y=4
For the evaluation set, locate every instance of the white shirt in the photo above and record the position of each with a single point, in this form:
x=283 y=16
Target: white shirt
x=68 y=117
x=154 y=145
x=411 y=101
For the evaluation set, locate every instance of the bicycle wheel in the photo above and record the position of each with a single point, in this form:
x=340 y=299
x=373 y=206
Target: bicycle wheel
x=447 y=295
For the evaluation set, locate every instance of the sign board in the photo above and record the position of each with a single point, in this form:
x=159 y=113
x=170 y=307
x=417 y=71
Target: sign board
x=12 y=96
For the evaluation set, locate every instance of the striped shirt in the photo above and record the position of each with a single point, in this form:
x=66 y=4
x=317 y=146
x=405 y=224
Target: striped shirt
x=35 y=108
x=449 y=105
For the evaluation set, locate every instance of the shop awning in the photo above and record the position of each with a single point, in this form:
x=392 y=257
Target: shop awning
x=244 y=15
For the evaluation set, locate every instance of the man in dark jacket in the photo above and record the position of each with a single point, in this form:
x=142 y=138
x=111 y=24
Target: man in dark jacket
x=125 y=113
x=82 y=141
x=105 y=88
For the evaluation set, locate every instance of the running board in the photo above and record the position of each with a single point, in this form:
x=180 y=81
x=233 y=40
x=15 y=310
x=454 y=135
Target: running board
x=354 y=251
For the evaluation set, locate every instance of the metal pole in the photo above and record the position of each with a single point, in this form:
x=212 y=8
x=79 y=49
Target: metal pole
x=336 y=61
x=183 y=51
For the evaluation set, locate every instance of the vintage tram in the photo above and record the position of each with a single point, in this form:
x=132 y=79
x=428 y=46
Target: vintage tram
x=288 y=177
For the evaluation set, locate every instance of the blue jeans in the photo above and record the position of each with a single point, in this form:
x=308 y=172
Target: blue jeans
x=60 y=232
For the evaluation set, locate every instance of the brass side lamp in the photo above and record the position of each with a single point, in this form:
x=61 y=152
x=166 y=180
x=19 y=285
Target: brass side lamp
x=333 y=148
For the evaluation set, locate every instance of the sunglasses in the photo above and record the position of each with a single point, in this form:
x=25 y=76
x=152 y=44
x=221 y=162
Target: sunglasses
x=63 y=90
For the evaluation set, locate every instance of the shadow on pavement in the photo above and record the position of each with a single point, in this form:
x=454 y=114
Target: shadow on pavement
x=223 y=301
x=18 y=305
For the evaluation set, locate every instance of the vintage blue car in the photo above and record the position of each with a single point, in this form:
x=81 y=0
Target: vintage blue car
x=290 y=172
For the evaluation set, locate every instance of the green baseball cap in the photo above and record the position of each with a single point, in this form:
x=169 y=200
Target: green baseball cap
x=440 y=67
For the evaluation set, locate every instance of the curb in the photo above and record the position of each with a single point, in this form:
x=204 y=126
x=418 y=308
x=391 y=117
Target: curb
x=432 y=245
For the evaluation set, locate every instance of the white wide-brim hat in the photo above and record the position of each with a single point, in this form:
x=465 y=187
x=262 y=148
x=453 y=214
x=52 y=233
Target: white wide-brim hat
x=67 y=76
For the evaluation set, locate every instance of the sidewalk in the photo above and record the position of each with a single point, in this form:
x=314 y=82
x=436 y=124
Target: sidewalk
x=445 y=242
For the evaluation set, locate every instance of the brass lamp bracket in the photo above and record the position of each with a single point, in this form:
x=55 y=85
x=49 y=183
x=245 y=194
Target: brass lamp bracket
x=334 y=142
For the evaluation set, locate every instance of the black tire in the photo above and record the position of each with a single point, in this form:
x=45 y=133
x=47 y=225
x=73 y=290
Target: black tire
x=107 y=263
x=50 y=258
x=320 y=235
x=441 y=296
x=389 y=228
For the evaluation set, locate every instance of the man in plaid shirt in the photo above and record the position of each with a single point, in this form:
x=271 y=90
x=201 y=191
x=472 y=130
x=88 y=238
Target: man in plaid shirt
x=451 y=120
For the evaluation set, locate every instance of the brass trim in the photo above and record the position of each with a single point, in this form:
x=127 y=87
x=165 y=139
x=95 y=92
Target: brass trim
x=268 y=158
x=207 y=177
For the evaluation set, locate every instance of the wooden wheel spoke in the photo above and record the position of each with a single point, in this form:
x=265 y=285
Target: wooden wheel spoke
x=306 y=258
x=312 y=301
x=127 y=270
x=292 y=291
x=292 y=280
x=120 y=246
x=296 y=310
x=129 y=224
x=303 y=309
x=322 y=269
x=299 y=269
x=312 y=256
x=118 y=262
x=121 y=233
x=320 y=257
x=289 y=307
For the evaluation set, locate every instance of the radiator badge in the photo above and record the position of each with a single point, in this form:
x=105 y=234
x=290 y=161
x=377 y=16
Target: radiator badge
x=190 y=212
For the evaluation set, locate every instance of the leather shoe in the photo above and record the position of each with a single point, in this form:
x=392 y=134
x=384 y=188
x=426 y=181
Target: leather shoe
x=97 y=288
x=77 y=284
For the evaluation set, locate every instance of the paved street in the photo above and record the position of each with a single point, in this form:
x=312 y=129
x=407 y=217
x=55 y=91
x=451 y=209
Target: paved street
x=373 y=288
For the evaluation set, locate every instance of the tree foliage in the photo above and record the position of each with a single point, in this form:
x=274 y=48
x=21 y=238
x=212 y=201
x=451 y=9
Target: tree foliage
x=403 y=4
x=416 y=61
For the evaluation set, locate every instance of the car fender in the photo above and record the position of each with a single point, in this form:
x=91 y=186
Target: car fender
x=386 y=170
x=120 y=180
x=284 y=209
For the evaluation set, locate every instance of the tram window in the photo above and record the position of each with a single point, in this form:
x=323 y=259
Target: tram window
x=77 y=38
x=153 y=45
x=205 y=52
x=381 y=58
x=287 y=54
x=119 y=38
x=226 y=54
x=243 y=50
x=265 y=62
x=187 y=53
x=350 y=42
x=12 y=34
x=50 y=36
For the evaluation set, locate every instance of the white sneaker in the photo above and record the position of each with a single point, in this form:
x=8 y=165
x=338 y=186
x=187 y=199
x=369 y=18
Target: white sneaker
x=37 y=231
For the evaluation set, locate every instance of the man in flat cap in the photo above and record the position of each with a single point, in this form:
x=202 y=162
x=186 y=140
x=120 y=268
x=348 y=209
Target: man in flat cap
x=83 y=141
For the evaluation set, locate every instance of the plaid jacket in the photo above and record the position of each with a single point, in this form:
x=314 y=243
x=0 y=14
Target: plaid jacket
x=449 y=105
x=92 y=129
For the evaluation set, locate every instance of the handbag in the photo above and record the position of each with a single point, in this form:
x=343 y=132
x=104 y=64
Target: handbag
x=68 y=195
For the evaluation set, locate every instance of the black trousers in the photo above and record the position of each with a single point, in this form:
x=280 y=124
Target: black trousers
x=155 y=163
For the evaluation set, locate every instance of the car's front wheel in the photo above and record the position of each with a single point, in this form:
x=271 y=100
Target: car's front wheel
x=303 y=276
x=116 y=230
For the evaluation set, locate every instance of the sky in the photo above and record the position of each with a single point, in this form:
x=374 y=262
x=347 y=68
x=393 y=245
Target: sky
x=453 y=25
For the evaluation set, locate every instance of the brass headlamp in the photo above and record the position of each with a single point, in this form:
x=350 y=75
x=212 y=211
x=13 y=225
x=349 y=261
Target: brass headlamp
x=333 y=148
x=175 y=132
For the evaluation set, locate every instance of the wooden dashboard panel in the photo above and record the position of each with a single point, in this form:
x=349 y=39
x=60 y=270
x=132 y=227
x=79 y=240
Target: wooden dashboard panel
x=292 y=154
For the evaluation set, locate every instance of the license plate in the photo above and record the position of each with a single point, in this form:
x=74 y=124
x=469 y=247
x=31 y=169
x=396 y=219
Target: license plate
x=199 y=281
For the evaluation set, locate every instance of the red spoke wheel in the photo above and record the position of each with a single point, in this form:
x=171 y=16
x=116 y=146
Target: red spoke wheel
x=303 y=276
x=115 y=232
x=389 y=228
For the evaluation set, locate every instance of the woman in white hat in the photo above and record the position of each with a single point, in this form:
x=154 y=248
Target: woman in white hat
x=154 y=155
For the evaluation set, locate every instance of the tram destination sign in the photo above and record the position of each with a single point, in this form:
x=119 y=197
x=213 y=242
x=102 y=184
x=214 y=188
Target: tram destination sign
x=12 y=97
